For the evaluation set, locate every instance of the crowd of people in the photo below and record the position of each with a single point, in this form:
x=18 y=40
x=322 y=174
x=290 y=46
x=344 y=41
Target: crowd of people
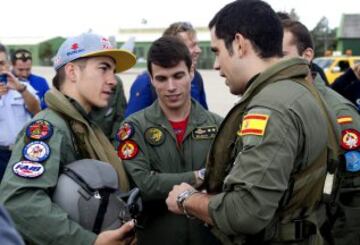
x=79 y=164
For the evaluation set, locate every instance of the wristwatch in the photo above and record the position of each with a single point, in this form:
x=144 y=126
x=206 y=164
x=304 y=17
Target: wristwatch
x=181 y=198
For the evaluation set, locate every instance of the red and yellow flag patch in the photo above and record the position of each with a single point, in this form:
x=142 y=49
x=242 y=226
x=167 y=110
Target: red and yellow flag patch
x=253 y=124
x=344 y=119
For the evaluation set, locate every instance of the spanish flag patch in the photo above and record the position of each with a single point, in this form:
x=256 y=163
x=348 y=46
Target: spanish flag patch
x=253 y=124
x=344 y=119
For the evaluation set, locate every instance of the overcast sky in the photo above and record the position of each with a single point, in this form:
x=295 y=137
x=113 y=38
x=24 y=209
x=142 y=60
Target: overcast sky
x=48 y=18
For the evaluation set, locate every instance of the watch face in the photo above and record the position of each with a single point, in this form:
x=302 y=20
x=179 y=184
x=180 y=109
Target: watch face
x=202 y=173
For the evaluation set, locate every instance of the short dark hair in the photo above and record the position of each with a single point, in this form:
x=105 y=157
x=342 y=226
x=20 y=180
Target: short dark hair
x=167 y=52
x=59 y=77
x=20 y=54
x=256 y=21
x=301 y=35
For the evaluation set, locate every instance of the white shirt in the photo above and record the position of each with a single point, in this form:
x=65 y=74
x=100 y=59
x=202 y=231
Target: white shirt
x=13 y=114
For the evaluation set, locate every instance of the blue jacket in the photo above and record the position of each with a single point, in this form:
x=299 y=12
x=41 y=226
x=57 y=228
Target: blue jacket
x=348 y=86
x=142 y=94
x=41 y=86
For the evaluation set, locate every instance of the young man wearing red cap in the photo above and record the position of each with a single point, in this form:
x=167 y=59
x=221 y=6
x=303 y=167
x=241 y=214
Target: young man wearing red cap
x=85 y=67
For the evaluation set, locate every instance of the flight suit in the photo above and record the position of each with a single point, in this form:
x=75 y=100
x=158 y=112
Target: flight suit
x=267 y=164
x=28 y=198
x=347 y=224
x=159 y=163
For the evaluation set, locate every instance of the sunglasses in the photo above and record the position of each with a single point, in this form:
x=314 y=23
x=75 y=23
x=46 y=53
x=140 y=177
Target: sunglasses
x=23 y=56
x=183 y=27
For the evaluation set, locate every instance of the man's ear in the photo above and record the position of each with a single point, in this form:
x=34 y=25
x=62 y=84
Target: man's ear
x=308 y=54
x=71 y=71
x=240 y=45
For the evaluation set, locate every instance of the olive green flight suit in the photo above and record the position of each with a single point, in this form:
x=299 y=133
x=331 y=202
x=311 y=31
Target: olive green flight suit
x=110 y=117
x=161 y=164
x=347 y=225
x=257 y=190
x=37 y=218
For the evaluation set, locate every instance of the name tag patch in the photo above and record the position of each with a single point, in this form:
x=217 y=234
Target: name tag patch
x=204 y=132
x=27 y=169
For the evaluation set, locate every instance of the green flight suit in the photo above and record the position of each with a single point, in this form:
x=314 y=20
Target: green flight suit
x=110 y=117
x=37 y=218
x=160 y=165
x=347 y=225
x=281 y=130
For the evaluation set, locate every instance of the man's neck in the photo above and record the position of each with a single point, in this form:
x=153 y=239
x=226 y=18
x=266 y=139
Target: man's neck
x=176 y=115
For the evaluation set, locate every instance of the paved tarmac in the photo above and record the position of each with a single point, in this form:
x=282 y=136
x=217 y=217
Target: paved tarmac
x=218 y=96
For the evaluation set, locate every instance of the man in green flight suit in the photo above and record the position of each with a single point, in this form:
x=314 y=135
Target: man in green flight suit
x=267 y=165
x=297 y=42
x=85 y=67
x=167 y=144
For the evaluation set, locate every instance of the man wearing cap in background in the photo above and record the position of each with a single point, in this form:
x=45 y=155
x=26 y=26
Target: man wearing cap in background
x=142 y=93
x=18 y=103
x=21 y=61
x=61 y=134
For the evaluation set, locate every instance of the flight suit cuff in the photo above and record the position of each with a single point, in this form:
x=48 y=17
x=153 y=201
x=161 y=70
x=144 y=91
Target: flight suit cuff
x=216 y=206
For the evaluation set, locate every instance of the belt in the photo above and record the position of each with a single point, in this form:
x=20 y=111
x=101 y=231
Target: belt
x=5 y=148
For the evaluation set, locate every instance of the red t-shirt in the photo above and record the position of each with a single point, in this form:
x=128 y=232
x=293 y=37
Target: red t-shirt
x=179 y=129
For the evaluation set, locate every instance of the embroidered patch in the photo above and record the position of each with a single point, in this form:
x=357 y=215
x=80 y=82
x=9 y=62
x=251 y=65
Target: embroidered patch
x=39 y=130
x=27 y=169
x=204 y=132
x=344 y=119
x=350 y=139
x=253 y=124
x=352 y=161
x=125 y=131
x=36 y=151
x=154 y=136
x=128 y=149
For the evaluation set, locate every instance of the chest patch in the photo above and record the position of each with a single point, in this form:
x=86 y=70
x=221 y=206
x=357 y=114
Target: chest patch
x=125 y=131
x=154 y=136
x=128 y=149
x=253 y=124
x=201 y=133
x=344 y=120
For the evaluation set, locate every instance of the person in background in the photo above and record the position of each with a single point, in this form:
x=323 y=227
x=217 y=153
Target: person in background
x=166 y=144
x=8 y=233
x=142 y=94
x=18 y=103
x=348 y=85
x=267 y=165
x=21 y=61
x=297 y=42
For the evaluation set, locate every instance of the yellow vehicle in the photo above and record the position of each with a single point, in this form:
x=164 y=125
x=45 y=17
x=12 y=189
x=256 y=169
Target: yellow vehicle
x=334 y=66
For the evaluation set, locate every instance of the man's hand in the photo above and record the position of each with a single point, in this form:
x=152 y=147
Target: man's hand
x=171 y=199
x=13 y=82
x=120 y=236
x=3 y=89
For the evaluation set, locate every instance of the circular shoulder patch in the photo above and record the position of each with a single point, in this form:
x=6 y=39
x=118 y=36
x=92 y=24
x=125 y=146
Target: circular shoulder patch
x=125 y=131
x=154 y=136
x=39 y=130
x=36 y=151
x=350 y=139
x=128 y=149
x=27 y=169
